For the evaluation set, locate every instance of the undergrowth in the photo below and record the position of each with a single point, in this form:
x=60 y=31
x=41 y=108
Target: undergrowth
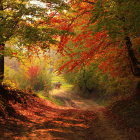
x=53 y=99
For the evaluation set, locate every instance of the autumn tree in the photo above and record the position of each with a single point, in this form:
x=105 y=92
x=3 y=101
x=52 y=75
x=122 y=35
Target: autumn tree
x=101 y=25
x=28 y=20
x=104 y=32
x=121 y=19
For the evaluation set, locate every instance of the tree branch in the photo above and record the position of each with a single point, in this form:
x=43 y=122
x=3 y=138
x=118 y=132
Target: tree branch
x=90 y=2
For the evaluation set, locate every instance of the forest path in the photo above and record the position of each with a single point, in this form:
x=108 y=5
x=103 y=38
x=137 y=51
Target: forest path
x=72 y=100
x=103 y=128
x=81 y=119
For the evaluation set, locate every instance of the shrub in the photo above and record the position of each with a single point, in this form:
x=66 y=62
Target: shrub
x=30 y=77
x=91 y=81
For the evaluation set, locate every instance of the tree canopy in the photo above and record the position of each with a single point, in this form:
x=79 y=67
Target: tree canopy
x=29 y=21
x=105 y=32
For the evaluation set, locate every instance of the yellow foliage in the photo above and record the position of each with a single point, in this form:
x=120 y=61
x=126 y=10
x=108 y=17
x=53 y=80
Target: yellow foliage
x=10 y=84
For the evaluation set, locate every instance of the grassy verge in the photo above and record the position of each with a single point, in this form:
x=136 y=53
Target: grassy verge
x=50 y=98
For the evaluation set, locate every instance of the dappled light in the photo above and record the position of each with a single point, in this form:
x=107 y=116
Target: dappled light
x=69 y=70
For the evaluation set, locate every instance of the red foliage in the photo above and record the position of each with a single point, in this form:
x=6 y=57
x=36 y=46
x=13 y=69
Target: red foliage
x=33 y=71
x=14 y=53
x=93 y=48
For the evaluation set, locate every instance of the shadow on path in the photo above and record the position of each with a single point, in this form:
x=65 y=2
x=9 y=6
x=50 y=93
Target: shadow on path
x=79 y=119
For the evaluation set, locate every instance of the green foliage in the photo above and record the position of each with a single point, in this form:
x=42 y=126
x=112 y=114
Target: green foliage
x=29 y=21
x=19 y=18
x=53 y=99
x=90 y=81
x=119 y=18
x=86 y=80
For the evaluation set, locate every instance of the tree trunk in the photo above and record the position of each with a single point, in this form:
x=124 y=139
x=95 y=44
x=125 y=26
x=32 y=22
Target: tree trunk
x=137 y=91
x=85 y=80
x=2 y=45
x=134 y=66
x=1 y=62
x=133 y=59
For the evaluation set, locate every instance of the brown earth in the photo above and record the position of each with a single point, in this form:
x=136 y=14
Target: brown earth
x=78 y=119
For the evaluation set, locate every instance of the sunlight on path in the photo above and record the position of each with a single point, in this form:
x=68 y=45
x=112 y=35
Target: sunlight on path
x=77 y=119
x=75 y=101
x=103 y=128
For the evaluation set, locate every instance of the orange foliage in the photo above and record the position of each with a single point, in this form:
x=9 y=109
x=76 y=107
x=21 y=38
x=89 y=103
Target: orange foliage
x=94 y=48
x=33 y=71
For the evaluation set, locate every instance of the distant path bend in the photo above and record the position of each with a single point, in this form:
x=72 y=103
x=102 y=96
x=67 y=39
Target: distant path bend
x=74 y=101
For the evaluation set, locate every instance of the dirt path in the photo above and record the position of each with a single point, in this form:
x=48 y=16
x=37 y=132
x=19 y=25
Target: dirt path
x=75 y=101
x=103 y=127
x=81 y=119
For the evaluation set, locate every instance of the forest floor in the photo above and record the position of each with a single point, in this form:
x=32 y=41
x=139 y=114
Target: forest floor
x=77 y=119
